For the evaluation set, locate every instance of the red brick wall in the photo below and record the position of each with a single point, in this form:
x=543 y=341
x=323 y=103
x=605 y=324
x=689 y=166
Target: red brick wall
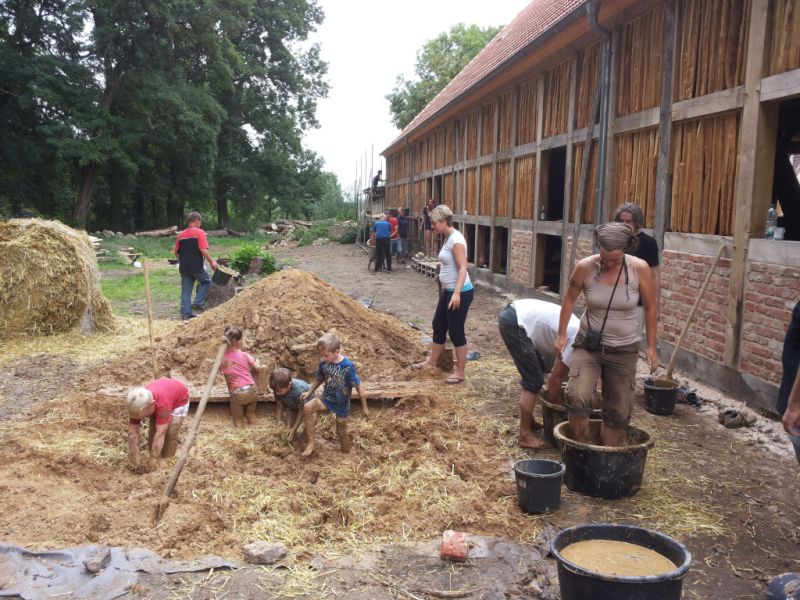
x=770 y=293
x=519 y=269
x=682 y=276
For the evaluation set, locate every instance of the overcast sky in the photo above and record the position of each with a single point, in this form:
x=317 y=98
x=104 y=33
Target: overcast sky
x=366 y=45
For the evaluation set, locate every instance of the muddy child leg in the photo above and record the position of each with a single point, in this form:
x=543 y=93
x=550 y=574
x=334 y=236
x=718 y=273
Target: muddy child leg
x=250 y=412
x=237 y=412
x=151 y=432
x=341 y=431
x=172 y=439
x=310 y=418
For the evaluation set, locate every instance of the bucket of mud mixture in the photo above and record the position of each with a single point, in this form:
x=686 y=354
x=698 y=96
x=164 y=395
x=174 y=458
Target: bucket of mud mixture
x=598 y=561
x=538 y=485
x=603 y=471
x=660 y=396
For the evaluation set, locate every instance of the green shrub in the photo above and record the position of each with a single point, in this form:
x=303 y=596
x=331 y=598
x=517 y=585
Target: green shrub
x=306 y=236
x=244 y=256
x=350 y=235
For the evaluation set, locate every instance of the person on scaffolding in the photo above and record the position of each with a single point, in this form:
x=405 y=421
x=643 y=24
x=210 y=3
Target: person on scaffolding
x=376 y=181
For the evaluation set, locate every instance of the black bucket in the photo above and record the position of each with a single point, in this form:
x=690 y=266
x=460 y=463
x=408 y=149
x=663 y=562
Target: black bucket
x=538 y=485
x=660 y=396
x=577 y=583
x=603 y=471
x=222 y=275
x=553 y=414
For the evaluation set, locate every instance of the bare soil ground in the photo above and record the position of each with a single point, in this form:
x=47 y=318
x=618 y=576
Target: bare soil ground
x=438 y=462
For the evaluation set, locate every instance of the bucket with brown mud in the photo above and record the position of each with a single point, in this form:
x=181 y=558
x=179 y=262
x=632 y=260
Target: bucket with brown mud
x=553 y=414
x=619 y=562
x=603 y=471
x=660 y=396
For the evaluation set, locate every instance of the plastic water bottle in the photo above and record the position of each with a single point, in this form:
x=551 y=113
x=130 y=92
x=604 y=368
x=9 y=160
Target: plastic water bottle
x=772 y=222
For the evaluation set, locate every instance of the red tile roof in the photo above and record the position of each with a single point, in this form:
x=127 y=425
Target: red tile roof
x=534 y=20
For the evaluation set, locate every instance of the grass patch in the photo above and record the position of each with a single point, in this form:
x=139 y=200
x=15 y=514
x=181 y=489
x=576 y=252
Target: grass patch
x=161 y=248
x=123 y=291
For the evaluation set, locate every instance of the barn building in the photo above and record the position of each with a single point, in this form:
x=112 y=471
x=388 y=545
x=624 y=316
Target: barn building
x=690 y=108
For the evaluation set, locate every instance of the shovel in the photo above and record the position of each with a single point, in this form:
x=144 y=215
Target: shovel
x=668 y=376
x=163 y=503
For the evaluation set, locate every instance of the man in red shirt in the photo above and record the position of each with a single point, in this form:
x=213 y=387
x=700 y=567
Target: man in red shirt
x=394 y=225
x=191 y=248
x=166 y=402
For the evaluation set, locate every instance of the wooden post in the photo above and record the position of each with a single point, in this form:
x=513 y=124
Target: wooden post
x=493 y=201
x=150 y=317
x=538 y=165
x=755 y=167
x=512 y=166
x=663 y=197
x=573 y=91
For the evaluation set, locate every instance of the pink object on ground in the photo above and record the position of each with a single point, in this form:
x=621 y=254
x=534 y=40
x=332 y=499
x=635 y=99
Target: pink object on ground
x=454 y=546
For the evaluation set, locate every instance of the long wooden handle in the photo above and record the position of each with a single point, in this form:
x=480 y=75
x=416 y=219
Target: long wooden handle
x=150 y=318
x=694 y=310
x=187 y=445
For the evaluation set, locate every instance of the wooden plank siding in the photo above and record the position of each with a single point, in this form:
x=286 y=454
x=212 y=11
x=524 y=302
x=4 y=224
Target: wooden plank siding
x=704 y=155
x=637 y=160
x=471 y=193
x=505 y=121
x=711 y=46
x=556 y=99
x=526 y=113
x=486 y=191
x=783 y=36
x=588 y=72
x=641 y=62
x=503 y=187
x=487 y=129
x=524 y=181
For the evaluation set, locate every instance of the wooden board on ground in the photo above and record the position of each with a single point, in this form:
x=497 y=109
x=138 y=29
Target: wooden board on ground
x=399 y=390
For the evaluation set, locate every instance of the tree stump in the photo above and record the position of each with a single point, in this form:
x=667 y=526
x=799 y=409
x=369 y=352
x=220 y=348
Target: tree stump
x=220 y=293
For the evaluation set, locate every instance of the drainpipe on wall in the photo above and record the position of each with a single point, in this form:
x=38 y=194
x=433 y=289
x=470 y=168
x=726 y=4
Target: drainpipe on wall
x=605 y=70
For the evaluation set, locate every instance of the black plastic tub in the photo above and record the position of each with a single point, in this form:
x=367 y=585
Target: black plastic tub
x=660 y=396
x=553 y=414
x=577 y=583
x=538 y=485
x=603 y=471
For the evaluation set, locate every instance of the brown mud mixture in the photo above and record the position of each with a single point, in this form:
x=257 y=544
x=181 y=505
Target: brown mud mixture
x=617 y=559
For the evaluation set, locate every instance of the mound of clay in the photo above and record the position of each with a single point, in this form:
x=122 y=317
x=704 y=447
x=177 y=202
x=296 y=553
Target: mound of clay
x=49 y=281
x=282 y=317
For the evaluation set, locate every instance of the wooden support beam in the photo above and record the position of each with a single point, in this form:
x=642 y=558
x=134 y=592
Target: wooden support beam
x=755 y=167
x=495 y=133
x=573 y=91
x=537 y=174
x=781 y=87
x=512 y=165
x=663 y=196
x=607 y=180
x=703 y=106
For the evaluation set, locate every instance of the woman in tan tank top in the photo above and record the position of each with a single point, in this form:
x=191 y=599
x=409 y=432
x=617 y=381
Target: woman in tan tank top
x=619 y=279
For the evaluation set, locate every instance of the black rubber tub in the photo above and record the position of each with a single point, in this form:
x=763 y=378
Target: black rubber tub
x=577 y=583
x=538 y=484
x=660 y=396
x=602 y=471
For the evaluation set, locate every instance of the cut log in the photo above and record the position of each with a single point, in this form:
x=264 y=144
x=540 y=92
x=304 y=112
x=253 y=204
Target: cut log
x=294 y=222
x=217 y=233
x=168 y=232
x=234 y=233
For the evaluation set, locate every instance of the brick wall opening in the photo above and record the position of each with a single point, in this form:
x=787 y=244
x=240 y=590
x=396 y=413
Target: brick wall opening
x=554 y=166
x=548 y=263
x=500 y=247
x=468 y=231
x=483 y=246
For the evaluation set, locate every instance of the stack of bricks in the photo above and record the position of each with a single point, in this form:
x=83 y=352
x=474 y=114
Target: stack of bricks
x=519 y=270
x=770 y=294
x=682 y=276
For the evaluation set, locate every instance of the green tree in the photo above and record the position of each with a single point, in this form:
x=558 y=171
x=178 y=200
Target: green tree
x=438 y=62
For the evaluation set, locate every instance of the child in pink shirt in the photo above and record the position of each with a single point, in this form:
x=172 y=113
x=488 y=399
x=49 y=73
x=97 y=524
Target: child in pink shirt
x=238 y=367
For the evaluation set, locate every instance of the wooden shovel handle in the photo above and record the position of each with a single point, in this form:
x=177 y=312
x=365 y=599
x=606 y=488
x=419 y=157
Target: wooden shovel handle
x=694 y=310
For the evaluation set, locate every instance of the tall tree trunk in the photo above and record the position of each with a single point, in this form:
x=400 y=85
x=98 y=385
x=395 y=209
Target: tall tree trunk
x=223 y=218
x=115 y=183
x=80 y=213
x=174 y=206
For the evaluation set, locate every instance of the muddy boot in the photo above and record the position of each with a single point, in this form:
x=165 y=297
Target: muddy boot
x=237 y=412
x=172 y=439
x=344 y=439
x=151 y=432
x=250 y=412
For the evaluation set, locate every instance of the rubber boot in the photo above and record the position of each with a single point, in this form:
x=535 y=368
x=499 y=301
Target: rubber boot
x=250 y=412
x=344 y=439
x=237 y=412
x=172 y=439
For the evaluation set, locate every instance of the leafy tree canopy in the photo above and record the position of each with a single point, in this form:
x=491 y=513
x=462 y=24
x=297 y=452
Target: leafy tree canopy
x=438 y=62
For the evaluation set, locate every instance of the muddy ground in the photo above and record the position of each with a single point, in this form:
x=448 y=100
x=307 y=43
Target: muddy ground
x=729 y=496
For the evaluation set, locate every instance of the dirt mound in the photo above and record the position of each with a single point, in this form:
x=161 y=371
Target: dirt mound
x=282 y=318
x=49 y=281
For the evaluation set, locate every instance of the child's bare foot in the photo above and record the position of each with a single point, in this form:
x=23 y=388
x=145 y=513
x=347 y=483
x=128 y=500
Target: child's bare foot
x=426 y=364
x=309 y=449
x=533 y=442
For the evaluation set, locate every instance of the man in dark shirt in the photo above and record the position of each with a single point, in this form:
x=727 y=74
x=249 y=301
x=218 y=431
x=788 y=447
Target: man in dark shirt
x=404 y=223
x=631 y=214
x=191 y=248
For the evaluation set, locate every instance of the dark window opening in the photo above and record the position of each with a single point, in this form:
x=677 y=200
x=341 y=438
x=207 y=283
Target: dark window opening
x=786 y=180
x=468 y=231
x=483 y=246
x=554 y=168
x=548 y=263
x=500 y=241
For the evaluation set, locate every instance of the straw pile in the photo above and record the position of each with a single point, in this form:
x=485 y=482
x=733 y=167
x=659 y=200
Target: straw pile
x=49 y=281
x=282 y=317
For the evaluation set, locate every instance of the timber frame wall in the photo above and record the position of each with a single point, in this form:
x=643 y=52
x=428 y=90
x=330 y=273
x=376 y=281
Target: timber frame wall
x=693 y=106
